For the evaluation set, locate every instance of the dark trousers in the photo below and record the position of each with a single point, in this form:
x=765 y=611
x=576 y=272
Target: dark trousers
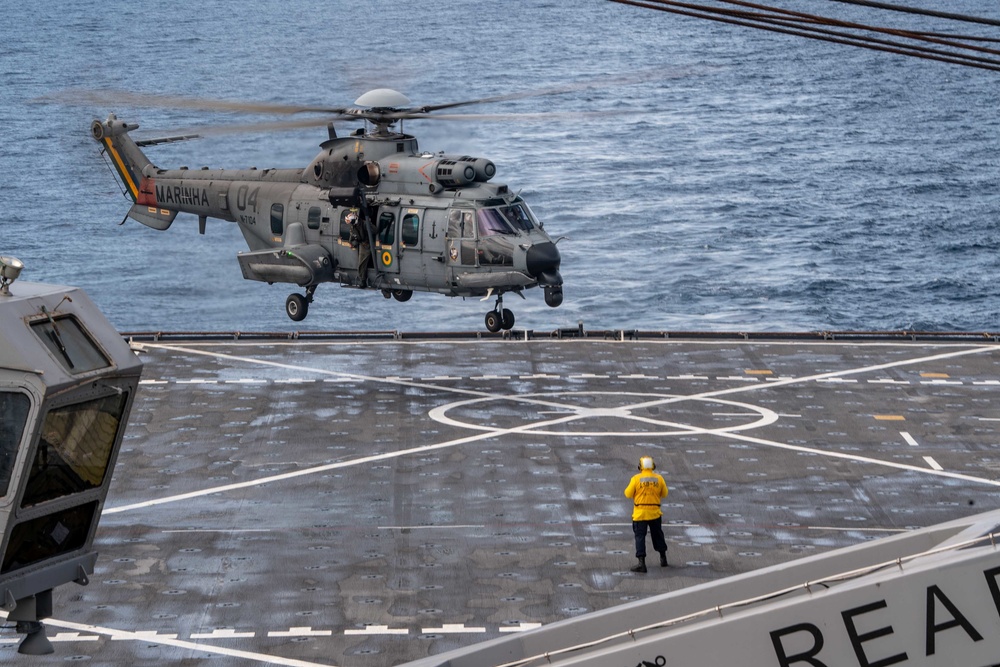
x=655 y=527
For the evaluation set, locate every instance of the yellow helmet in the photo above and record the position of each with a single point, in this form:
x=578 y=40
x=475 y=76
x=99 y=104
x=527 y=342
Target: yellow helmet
x=647 y=463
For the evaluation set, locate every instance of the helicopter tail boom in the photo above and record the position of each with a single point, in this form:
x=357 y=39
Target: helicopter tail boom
x=130 y=162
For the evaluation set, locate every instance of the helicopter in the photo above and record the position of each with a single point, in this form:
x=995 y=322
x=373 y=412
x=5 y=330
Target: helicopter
x=371 y=211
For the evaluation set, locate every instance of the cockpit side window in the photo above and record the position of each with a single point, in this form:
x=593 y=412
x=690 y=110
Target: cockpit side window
x=455 y=224
x=460 y=224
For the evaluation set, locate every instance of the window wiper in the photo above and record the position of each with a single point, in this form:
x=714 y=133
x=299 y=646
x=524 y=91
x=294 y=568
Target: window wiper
x=54 y=336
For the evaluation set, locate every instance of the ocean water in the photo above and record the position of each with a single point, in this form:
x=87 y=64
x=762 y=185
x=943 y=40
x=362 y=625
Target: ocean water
x=737 y=180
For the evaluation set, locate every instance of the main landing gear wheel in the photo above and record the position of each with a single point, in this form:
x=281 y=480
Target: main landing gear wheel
x=401 y=295
x=297 y=305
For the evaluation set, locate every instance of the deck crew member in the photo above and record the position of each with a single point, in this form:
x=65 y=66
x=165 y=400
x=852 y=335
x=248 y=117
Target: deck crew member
x=647 y=489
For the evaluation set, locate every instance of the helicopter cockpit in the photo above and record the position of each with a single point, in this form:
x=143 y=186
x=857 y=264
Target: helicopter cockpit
x=506 y=218
x=498 y=222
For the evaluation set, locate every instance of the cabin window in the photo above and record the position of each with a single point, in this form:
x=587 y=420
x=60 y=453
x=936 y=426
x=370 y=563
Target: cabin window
x=386 y=228
x=315 y=216
x=70 y=344
x=74 y=448
x=48 y=536
x=409 y=233
x=277 y=219
x=13 y=418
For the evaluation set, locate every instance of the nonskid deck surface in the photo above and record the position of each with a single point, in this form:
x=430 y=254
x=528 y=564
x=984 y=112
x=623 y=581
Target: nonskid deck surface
x=370 y=503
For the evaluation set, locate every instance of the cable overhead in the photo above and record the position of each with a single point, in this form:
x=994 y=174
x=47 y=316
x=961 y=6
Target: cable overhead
x=940 y=47
x=922 y=12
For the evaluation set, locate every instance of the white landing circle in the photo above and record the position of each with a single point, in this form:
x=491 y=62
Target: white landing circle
x=597 y=414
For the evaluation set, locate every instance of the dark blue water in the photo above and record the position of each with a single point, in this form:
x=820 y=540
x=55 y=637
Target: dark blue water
x=759 y=182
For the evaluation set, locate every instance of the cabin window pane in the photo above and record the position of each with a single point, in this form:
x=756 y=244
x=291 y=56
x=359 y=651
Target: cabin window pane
x=277 y=219
x=410 y=233
x=13 y=417
x=74 y=448
x=386 y=228
x=36 y=540
x=315 y=215
x=70 y=344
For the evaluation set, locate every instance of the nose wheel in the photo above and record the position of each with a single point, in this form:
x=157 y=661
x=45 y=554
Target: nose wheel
x=499 y=318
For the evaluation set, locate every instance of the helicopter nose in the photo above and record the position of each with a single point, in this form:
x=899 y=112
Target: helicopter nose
x=543 y=263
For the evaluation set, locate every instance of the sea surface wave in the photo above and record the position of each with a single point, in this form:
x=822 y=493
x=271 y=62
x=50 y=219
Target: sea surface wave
x=740 y=180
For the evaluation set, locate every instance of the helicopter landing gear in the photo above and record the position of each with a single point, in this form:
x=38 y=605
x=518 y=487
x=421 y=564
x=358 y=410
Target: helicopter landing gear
x=297 y=305
x=499 y=318
x=400 y=295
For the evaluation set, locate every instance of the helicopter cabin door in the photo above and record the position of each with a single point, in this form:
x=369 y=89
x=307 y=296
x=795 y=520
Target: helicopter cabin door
x=387 y=240
x=411 y=256
x=461 y=237
x=345 y=235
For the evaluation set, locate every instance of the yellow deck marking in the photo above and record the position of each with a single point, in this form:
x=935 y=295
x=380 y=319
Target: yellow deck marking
x=890 y=418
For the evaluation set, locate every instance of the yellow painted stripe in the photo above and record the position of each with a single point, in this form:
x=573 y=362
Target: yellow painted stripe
x=890 y=418
x=752 y=372
x=120 y=165
x=934 y=375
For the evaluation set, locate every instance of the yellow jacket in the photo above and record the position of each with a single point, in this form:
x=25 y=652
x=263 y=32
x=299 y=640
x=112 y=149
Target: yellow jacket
x=646 y=489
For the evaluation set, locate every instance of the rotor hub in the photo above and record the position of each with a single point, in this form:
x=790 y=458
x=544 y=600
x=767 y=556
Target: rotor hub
x=384 y=99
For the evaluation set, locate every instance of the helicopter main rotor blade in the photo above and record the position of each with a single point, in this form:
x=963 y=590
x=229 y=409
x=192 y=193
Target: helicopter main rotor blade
x=281 y=125
x=149 y=100
x=606 y=82
x=378 y=116
x=152 y=100
x=267 y=126
x=537 y=116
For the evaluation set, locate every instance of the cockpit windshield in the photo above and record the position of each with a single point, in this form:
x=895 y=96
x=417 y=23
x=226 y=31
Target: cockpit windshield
x=508 y=219
x=492 y=222
x=519 y=216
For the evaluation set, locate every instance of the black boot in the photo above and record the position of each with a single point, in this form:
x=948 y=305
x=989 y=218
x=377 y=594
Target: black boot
x=663 y=558
x=641 y=567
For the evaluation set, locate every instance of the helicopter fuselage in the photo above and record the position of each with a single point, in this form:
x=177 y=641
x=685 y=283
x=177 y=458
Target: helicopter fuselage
x=370 y=211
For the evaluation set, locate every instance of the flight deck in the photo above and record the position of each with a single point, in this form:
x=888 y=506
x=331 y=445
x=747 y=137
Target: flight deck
x=369 y=501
